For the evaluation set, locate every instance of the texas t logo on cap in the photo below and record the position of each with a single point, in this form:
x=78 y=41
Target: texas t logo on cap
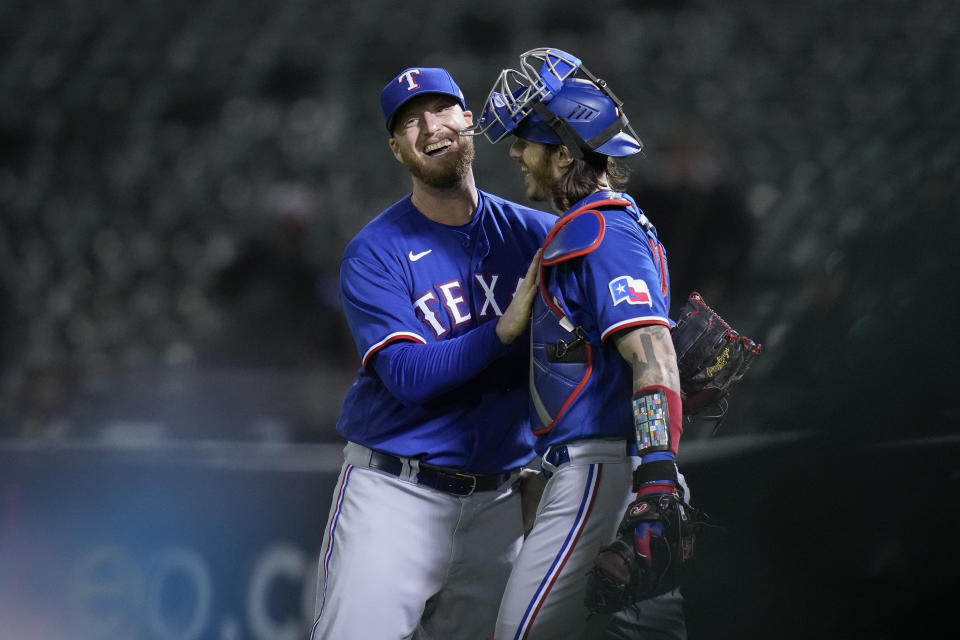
x=410 y=77
x=415 y=81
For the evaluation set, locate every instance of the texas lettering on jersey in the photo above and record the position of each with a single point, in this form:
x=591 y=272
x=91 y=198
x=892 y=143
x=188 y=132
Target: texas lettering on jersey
x=448 y=305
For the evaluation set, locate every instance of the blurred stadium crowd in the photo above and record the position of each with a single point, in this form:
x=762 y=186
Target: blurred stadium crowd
x=178 y=180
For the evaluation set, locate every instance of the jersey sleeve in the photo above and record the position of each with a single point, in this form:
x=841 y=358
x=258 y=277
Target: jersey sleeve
x=626 y=277
x=377 y=307
x=417 y=373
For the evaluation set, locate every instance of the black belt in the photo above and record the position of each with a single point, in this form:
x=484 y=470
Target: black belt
x=448 y=480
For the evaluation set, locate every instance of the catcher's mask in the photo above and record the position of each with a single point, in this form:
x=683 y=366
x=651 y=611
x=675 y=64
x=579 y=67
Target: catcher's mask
x=544 y=102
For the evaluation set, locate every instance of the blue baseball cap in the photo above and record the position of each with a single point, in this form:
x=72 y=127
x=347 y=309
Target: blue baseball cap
x=414 y=82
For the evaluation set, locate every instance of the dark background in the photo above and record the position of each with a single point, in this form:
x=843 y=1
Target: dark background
x=178 y=181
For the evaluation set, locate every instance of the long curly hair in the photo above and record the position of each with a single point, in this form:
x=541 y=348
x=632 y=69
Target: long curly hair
x=585 y=176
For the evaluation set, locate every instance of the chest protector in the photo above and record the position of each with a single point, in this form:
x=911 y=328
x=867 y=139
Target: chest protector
x=564 y=352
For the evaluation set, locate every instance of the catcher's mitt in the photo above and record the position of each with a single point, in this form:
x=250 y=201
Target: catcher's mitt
x=711 y=356
x=633 y=568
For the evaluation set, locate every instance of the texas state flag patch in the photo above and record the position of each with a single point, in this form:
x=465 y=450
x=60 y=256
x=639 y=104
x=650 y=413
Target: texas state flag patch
x=630 y=290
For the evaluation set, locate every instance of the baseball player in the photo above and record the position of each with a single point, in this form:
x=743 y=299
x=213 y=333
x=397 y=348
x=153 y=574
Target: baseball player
x=604 y=382
x=425 y=522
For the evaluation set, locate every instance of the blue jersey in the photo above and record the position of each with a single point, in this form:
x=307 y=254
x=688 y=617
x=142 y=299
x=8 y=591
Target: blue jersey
x=603 y=271
x=407 y=279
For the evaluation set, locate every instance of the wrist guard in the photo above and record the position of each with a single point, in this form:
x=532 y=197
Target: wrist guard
x=655 y=477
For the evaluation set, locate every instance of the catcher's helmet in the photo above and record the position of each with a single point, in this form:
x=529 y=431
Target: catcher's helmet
x=552 y=106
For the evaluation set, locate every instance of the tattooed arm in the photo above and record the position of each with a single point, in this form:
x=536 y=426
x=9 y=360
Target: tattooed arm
x=658 y=412
x=650 y=352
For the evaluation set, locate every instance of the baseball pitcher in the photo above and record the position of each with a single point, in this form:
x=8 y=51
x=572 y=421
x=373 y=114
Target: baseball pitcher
x=425 y=522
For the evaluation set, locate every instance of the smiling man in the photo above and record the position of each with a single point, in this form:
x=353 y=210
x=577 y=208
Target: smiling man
x=425 y=522
x=604 y=386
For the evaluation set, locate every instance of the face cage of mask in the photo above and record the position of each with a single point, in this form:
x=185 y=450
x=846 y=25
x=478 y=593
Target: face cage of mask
x=518 y=92
x=541 y=75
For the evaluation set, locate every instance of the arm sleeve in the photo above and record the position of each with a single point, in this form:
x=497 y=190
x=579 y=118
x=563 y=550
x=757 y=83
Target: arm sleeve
x=416 y=373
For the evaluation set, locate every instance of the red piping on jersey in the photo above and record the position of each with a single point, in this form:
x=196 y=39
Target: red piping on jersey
x=658 y=249
x=404 y=336
x=638 y=323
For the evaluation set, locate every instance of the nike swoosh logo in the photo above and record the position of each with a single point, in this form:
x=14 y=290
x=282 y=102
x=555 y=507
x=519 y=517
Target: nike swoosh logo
x=416 y=256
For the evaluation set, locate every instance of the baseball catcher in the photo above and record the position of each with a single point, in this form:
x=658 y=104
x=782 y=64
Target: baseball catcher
x=656 y=537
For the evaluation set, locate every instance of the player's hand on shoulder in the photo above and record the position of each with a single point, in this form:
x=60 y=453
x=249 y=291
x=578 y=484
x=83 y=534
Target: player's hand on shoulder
x=515 y=318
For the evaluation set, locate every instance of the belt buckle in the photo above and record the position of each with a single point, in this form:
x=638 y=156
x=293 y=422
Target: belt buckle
x=473 y=480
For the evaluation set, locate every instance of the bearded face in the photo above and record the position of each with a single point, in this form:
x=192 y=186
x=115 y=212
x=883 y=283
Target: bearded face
x=444 y=171
x=427 y=140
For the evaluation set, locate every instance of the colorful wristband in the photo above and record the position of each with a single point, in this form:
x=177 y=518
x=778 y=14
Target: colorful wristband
x=658 y=419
